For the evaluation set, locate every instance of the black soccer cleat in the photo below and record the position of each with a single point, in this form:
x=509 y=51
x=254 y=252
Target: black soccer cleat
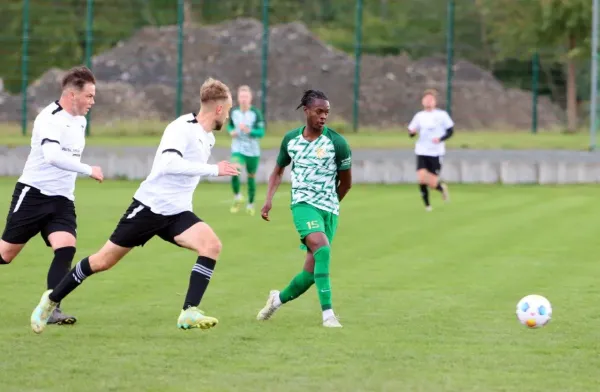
x=59 y=318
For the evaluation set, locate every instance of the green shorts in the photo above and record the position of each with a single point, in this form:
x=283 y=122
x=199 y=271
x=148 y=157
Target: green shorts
x=309 y=219
x=251 y=163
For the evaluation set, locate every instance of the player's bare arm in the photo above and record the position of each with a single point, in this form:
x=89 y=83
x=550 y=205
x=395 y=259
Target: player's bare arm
x=274 y=182
x=344 y=183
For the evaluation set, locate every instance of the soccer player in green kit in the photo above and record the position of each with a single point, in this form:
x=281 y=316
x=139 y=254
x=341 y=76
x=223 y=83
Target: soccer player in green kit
x=321 y=177
x=246 y=126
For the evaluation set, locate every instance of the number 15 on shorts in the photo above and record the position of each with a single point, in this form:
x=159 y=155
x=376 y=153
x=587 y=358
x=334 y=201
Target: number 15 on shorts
x=313 y=225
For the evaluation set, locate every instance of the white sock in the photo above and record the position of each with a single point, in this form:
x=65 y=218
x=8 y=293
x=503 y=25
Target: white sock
x=327 y=314
x=250 y=206
x=238 y=197
x=277 y=302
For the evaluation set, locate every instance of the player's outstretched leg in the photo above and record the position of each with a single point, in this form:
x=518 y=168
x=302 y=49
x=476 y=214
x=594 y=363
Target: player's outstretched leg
x=103 y=260
x=201 y=238
x=443 y=189
x=298 y=286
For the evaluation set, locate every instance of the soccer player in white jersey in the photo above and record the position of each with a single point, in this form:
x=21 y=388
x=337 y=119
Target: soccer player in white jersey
x=43 y=199
x=321 y=162
x=434 y=127
x=246 y=127
x=162 y=206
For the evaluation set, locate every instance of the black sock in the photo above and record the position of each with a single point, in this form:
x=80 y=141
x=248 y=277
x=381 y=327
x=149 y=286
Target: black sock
x=72 y=280
x=199 y=280
x=439 y=187
x=424 y=194
x=61 y=264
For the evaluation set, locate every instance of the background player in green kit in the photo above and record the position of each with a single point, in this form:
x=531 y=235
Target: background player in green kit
x=321 y=177
x=246 y=126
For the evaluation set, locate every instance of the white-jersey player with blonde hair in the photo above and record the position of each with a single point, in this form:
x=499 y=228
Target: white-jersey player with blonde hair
x=162 y=206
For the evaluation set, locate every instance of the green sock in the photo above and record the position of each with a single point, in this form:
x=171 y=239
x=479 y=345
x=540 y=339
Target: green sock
x=251 y=189
x=235 y=184
x=322 y=281
x=297 y=286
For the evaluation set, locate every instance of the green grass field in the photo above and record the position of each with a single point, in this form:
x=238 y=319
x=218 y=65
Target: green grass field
x=427 y=300
x=148 y=134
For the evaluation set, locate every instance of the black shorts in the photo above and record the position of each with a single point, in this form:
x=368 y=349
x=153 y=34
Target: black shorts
x=32 y=212
x=139 y=224
x=432 y=164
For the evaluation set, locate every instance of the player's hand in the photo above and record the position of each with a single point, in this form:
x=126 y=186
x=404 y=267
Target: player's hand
x=228 y=169
x=435 y=140
x=244 y=128
x=264 y=212
x=97 y=173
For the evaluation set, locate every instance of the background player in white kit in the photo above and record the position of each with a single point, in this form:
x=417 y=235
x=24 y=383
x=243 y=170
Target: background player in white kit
x=434 y=126
x=162 y=206
x=43 y=199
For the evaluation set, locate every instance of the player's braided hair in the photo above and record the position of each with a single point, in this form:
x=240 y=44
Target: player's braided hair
x=309 y=96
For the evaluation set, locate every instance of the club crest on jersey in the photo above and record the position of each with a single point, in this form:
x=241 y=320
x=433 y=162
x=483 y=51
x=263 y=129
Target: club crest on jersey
x=320 y=153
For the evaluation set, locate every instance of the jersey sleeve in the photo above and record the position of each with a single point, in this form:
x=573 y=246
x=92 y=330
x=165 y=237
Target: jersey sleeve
x=50 y=132
x=230 y=124
x=414 y=123
x=284 y=159
x=173 y=140
x=258 y=128
x=448 y=123
x=343 y=154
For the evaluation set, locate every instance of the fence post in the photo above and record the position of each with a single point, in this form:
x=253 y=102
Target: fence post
x=357 y=60
x=535 y=71
x=449 y=56
x=24 y=64
x=179 y=92
x=89 y=37
x=594 y=83
x=264 y=58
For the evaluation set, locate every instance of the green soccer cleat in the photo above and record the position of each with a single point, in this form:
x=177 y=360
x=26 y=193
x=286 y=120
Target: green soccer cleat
x=194 y=318
x=42 y=312
x=250 y=210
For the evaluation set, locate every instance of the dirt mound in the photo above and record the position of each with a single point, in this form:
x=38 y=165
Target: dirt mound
x=137 y=79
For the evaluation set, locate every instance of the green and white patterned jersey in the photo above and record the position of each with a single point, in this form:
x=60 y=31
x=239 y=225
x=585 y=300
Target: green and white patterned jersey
x=315 y=167
x=247 y=144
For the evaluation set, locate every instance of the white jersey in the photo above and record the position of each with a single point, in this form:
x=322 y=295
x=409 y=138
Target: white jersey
x=430 y=125
x=57 y=143
x=180 y=162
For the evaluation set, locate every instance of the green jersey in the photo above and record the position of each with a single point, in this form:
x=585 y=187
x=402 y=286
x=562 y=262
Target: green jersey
x=314 y=167
x=246 y=144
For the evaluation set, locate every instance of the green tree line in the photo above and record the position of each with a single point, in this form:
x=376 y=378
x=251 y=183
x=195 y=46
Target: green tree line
x=499 y=35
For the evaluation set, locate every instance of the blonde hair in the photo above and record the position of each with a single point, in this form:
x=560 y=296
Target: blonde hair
x=431 y=91
x=245 y=87
x=214 y=90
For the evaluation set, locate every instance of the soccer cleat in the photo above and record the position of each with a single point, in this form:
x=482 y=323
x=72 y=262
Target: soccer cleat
x=445 y=193
x=250 y=210
x=428 y=208
x=194 y=318
x=42 y=312
x=270 y=307
x=59 y=318
x=332 y=322
x=237 y=204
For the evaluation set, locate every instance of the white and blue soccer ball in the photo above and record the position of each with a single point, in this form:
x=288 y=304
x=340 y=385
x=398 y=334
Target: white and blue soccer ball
x=534 y=311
